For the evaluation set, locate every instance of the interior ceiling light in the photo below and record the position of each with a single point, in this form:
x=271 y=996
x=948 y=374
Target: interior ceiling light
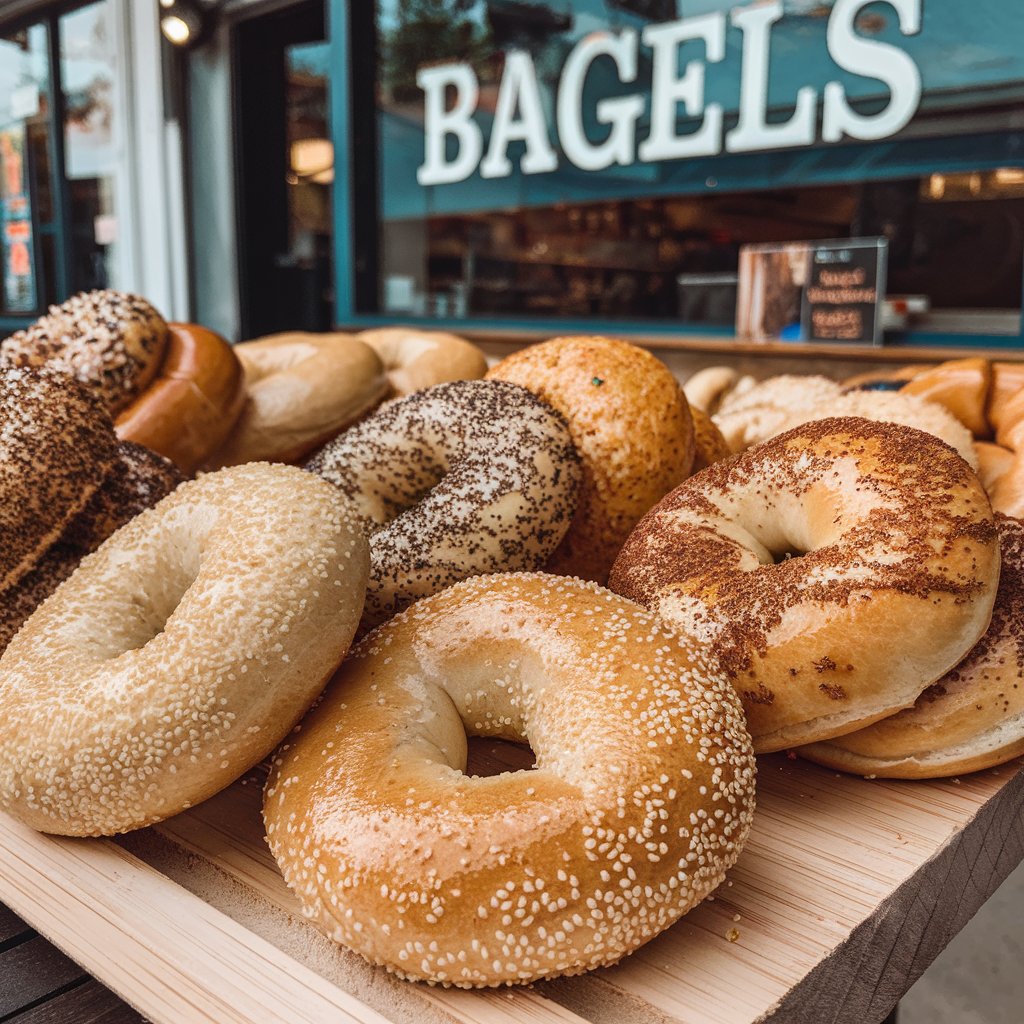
x=184 y=22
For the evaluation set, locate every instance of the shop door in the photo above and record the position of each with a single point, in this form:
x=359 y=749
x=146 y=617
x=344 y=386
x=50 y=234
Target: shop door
x=285 y=168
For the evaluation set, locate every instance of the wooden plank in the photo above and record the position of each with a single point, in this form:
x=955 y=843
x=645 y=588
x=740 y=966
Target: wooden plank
x=31 y=971
x=831 y=860
x=846 y=891
x=89 y=1003
x=173 y=957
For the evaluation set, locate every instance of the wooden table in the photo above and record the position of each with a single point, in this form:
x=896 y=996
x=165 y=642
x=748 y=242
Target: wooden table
x=846 y=892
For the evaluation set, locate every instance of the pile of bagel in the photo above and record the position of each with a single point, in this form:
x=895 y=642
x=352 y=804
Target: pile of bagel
x=349 y=552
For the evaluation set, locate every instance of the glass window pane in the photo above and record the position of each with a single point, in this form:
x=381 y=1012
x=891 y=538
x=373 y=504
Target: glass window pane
x=25 y=193
x=92 y=141
x=587 y=206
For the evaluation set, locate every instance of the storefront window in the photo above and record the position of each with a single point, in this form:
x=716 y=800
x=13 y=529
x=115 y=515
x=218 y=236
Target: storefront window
x=92 y=129
x=26 y=201
x=608 y=158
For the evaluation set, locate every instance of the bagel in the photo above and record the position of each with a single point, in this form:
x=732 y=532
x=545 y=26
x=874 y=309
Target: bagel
x=189 y=409
x=302 y=390
x=137 y=481
x=961 y=387
x=180 y=653
x=994 y=461
x=394 y=852
x=748 y=416
x=463 y=478
x=111 y=341
x=57 y=445
x=631 y=424
x=708 y=444
x=705 y=389
x=896 y=551
x=889 y=407
x=972 y=718
x=415 y=359
x=883 y=380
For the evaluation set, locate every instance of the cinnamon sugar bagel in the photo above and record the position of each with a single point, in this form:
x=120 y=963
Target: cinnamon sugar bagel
x=971 y=718
x=462 y=478
x=111 y=341
x=641 y=799
x=893 y=580
x=180 y=653
x=631 y=424
x=57 y=445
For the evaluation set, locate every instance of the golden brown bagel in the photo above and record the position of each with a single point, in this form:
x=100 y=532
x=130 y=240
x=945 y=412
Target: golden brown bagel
x=415 y=359
x=631 y=424
x=641 y=800
x=993 y=463
x=883 y=377
x=302 y=390
x=896 y=552
x=961 y=386
x=191 y=406
x=972 y=718
x=180 y=653
x=709 y=445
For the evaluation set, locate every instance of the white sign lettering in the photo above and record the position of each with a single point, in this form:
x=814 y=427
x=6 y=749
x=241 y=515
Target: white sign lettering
x=519 y=111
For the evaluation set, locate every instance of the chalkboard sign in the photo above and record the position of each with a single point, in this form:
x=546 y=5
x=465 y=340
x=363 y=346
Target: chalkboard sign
x=845 y=288
x=827 y=291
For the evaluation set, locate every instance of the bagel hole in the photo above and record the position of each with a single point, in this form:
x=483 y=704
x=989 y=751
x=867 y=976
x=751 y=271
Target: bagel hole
x=787 y=554
x=486 y=756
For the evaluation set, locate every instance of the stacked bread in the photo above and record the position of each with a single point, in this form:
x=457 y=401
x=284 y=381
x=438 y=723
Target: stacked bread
x=560 y=550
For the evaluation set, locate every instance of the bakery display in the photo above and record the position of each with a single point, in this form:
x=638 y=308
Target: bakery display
x=641 y=799
x=111 y=341
x=833 y=589
x=301 y=390
x=180 y=653
x=462 y=478
x=806 y=562
x=971 y=718
x=192 y=404
x=630 y=422
x=138 y=479
x=57 y=445
x=415 y=359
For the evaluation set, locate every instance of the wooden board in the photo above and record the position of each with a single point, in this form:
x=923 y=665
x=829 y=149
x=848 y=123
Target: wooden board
x=846 y=892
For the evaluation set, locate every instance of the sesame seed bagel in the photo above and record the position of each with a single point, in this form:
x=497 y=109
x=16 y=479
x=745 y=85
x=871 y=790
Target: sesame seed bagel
x=631 y=424
x=57 y=445
x=416 y=359
x=641 y=800
x=972 y=718
x=111 y=341
x=180 y=653
x=894 y=580
x=302 y=389
x=463 y=478
x=137 y=481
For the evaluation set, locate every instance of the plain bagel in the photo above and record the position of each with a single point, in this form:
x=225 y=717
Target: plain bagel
x=896 y=574
x=415 y=359
x=180 y=653
x=641 y=800
x=302 y=390
x=463 y=478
